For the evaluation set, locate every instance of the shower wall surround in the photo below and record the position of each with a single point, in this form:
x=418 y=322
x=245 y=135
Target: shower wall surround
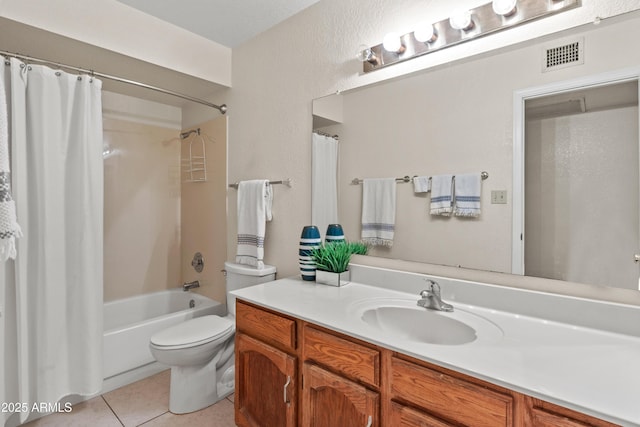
x=142 y=197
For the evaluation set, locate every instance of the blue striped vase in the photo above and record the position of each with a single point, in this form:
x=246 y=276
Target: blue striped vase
x=334 y=234
x=309 y=239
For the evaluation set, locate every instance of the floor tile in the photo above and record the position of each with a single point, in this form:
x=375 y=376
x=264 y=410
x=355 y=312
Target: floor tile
x=94 y=413
x=141 y=401
x=219 y=414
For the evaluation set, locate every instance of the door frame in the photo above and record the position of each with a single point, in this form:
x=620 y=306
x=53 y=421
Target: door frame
x=519 y=98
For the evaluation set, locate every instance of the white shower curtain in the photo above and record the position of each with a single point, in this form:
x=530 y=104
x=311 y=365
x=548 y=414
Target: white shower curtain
x=57 y=177
x=324 y=181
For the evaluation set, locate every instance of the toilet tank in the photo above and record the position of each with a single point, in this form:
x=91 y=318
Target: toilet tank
x=240 y=276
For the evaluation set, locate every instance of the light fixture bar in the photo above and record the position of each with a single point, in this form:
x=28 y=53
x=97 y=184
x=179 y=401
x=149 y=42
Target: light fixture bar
x=485 y=21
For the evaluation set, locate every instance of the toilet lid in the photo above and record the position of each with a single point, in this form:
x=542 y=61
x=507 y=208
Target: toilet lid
x=197 y=330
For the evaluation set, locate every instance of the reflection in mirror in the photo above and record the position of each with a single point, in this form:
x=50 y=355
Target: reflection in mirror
x=581 y=186
x=458 y=118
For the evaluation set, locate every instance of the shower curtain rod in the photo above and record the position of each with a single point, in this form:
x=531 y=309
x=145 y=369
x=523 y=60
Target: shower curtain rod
x=222 y=108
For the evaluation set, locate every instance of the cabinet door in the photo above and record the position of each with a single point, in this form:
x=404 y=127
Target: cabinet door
x=265 y=385
x=332 y=401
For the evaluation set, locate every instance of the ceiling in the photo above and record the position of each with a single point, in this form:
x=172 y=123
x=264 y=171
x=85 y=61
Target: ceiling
x=227 y=22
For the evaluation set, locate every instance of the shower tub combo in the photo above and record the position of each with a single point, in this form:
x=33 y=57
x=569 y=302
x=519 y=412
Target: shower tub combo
x=129 y=324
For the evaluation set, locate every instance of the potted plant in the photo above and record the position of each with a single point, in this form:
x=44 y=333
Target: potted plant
x=332 y=261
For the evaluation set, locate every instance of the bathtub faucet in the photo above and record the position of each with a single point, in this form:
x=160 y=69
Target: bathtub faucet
x=190 y=285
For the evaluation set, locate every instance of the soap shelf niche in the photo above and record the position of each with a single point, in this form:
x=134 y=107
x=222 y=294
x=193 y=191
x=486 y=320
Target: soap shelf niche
x=193 y=163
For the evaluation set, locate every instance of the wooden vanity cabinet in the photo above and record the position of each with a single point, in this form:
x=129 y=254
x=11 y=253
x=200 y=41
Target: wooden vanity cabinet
x=290 y=372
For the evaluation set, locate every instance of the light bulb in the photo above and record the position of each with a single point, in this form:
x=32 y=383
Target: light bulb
x=504 y=7
x=461 y=20
x=392 y=43
x=366 y=54
x=425 y=33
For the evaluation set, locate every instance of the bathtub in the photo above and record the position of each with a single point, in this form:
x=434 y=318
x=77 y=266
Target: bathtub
x=129 y=324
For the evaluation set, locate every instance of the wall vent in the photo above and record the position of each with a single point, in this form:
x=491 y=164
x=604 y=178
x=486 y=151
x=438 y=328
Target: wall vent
x=565 y=55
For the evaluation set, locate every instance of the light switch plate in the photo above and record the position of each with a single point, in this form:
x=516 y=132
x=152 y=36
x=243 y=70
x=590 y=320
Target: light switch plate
x=499 y=197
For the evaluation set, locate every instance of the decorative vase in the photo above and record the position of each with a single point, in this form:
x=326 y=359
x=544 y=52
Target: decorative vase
x=309 y=239
x=334 y=234
x=333 y=279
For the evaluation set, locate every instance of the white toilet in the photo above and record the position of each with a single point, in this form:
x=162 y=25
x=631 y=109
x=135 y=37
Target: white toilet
x=200 y=350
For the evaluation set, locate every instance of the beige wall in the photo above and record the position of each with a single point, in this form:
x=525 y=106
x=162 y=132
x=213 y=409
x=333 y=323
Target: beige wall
x=204 y=212
x=142 y=209
x=277 y=74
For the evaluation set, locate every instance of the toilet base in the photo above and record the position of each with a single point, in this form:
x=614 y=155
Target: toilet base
x=196 y=387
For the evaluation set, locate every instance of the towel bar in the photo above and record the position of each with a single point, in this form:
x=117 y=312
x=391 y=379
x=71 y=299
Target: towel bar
x=286 y=181
x=484 y=175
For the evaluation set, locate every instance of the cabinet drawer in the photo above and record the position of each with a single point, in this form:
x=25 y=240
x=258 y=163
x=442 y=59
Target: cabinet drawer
x=348 y=358
x=545 y=414
x=270 y=327
x=448 y=397
x=403 y=416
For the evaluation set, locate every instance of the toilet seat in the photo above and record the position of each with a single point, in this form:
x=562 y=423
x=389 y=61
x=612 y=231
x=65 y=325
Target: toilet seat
x=193 y=332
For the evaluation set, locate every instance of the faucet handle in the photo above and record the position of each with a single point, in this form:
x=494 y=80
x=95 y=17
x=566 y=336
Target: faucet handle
x=433 y=286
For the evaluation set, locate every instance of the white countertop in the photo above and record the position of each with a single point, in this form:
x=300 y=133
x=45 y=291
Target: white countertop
x=589 y=370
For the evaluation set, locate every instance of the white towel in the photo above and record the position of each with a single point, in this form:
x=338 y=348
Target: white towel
x=441 y=195
x=421 y=184
x=9 y=228
x=254 y=209
x=467 y=194
x=378 y=211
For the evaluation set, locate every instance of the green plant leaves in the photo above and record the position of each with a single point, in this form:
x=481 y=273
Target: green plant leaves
x=335 y=256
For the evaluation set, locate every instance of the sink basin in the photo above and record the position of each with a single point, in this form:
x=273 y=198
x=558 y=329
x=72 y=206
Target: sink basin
x=405 y=320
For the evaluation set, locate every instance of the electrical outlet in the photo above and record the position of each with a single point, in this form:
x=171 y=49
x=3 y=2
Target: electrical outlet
x=499 y=197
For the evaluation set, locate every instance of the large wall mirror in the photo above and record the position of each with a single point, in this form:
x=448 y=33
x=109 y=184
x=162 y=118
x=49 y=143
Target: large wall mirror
x=459 y=118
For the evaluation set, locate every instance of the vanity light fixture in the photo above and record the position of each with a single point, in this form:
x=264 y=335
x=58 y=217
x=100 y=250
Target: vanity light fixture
x=425 y=33
x=461 y=20
x=461 y=27
x=504 y=8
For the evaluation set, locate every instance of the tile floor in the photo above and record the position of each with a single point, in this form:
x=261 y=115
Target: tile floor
x=143 y=403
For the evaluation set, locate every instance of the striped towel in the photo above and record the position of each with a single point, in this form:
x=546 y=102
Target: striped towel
x=254 y=209
x=441 y=195
x=378 y=211
x=9 y=228
x=467 y=194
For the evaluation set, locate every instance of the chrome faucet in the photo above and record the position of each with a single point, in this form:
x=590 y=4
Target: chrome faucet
x=190 y=285
x=430 y=298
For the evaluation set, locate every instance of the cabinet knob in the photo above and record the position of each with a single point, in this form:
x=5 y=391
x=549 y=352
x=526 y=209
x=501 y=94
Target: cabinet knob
x=370 y=421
